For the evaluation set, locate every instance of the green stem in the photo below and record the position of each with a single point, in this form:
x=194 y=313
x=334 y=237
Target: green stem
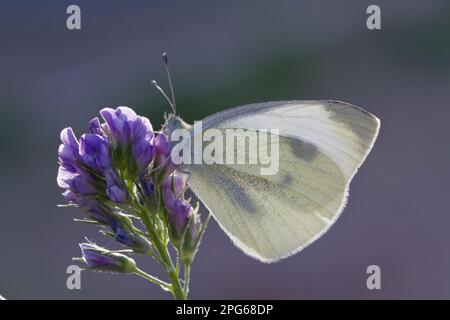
x=161 y=248
x=177 y=290
x=187 y=271
x=153 y=279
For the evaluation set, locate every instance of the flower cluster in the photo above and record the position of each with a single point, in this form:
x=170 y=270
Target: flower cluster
x=121 y=175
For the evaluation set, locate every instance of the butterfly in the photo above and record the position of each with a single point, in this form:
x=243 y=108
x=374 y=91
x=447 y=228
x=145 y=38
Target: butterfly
x=321 y=145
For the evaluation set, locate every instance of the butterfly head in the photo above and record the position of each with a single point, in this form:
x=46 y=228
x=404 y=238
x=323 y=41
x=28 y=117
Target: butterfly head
x=173 y=122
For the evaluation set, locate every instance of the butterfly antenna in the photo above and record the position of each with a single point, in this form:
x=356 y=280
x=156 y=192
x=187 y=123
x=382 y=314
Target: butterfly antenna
x=155 y=84
x=169 y=77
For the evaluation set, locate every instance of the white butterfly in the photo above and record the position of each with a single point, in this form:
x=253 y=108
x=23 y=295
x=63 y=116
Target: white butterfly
x=321 y=146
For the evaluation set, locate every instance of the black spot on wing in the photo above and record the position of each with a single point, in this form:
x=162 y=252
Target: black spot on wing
x=238 y=194
x=344 y=113
x=302 y=149
x=287 y=179
x=230 y=182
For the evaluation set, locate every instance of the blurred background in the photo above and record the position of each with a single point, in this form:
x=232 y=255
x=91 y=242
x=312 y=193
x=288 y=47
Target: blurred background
x=225 y=54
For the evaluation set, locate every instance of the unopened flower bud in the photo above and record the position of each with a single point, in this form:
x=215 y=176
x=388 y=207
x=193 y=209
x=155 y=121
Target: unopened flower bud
x=123 y=233
x=178 y=210
x=101 y=259
x=192 y=237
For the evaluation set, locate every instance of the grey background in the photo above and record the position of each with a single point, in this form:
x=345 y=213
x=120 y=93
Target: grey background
x=225 y=54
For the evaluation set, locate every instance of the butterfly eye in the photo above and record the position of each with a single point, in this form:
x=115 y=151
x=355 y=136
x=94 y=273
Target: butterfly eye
x=175 y=124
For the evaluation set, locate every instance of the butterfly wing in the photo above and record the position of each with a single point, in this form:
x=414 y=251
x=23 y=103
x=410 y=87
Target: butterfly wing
x=321 y=145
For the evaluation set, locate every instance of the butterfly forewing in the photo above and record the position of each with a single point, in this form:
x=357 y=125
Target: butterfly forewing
x=321 y=144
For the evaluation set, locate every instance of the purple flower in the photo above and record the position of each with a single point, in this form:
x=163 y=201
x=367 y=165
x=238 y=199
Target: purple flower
x=142 y=152
x=79 y=183
x=115 y=170
x=142 y=142
x=114 y=188
x=116 y=194
x=68 y=150
x=191 y=240
x=71 y=175
x=172 y=189
x=94 y=152
x=102 y=259
x=130 y=132
x=180 y=214
x=185 y=225
x=147 y=185
x=123 y=144
x=178 y=210
x=163 y=148
x=95 y=126
x=120 y=122
x=93 y=208
x=93 y=257
x=97 y=212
